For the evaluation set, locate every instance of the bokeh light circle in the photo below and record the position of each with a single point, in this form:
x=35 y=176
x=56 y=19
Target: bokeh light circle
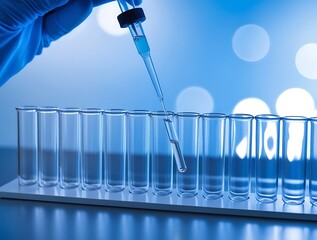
x=251 y=42
x=194 y=99
x=253 y=106
x=107 y=19
x=295 y=101
x=306 y=61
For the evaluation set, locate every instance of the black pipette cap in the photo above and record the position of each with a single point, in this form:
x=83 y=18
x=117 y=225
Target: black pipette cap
x=131 y=16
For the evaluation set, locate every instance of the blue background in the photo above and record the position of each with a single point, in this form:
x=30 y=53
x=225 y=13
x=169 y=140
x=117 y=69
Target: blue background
x=191 y=44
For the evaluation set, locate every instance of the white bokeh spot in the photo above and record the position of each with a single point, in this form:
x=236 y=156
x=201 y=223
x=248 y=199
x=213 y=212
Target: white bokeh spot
x=294 y=143
x=251 y=42
x=306 y=61
x=107 y=19
x=270 y=134
x=253 y=106
x=295 y=101
x=242 y=148
x=194 y=99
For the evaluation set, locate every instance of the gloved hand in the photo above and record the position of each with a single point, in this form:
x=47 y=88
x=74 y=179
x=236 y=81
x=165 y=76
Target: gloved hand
x=28 y=26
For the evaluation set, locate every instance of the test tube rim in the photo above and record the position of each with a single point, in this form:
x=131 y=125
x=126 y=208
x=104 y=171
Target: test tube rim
x=115 y=111
x=214 y=115
x=295 y=118
x=162 y=114
x=69 y=110
x=267 y=116
x=187 y=114
x=26 y=108
x=138 y=112
x=47 y=109
x=91 y=111
x=243 y=116
x=313 y=119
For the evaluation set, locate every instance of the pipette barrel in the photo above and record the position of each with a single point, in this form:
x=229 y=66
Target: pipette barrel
x=132 y=18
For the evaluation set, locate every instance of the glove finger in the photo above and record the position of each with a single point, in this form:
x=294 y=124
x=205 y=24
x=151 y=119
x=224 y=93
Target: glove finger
x=17 y=13
x=64 y=19
x=99 y=2
x=44 y=6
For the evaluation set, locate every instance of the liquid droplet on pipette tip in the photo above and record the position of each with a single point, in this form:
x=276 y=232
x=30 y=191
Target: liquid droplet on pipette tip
x=179 y=159
x=183 y=169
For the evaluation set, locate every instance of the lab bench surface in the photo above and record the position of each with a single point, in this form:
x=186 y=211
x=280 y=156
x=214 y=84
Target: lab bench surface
x=38 y=220
x=44 y=220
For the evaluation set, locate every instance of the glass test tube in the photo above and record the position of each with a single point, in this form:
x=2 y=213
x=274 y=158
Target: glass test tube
x=267 y=155
x=313 y=162
x=138 y=149
x=187 y=126
x=115 y=149
x=213 y=157
x=69 y=147
x=48 y=146
x=27 y=145
x=91 y=148
x=162 y=158
x=294 y=149
x=239 y=160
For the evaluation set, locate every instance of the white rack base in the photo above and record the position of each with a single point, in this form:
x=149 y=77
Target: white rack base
x=197 y=204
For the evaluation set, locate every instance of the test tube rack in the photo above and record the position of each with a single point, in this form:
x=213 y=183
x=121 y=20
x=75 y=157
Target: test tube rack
x=172 y=202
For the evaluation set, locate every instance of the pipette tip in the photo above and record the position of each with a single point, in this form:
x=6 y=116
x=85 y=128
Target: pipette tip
x=182 y=169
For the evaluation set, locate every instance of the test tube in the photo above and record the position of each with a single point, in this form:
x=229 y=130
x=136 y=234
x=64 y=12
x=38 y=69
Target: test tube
x=115 y=149
x=48 y=146
x=239 y=159
x=294 y=149
x=69 y=147
x=267 y=154
x=187 y=126
x=313 y=162
x=138 y=150
x=27 y=145
x=213 y=157
x=91 y=148
x=161 y=155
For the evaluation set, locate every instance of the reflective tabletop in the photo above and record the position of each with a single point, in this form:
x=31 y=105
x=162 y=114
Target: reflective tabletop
x=44 y=220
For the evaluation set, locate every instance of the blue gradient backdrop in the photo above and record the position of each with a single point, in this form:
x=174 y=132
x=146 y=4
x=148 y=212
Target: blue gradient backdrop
x=191 y=44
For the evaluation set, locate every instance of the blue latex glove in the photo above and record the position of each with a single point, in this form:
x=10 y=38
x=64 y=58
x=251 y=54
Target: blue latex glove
x=28 y=26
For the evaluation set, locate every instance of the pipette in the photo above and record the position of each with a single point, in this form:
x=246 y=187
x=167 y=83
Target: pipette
x=132 y=18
